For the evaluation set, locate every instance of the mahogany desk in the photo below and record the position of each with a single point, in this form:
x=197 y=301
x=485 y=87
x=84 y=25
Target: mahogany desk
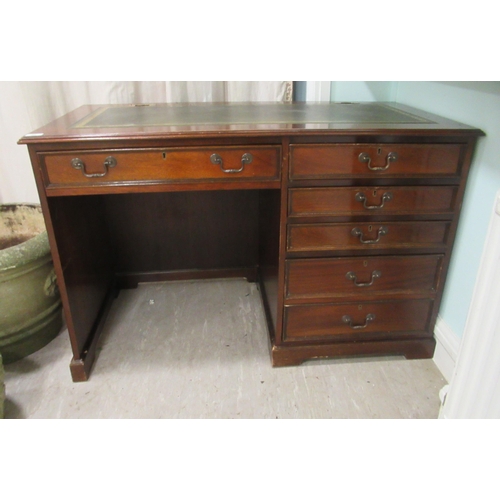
x=345 y=214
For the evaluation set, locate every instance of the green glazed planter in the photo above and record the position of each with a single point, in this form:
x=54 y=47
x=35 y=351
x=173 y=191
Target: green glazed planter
x=2 y=388
x=30 y=305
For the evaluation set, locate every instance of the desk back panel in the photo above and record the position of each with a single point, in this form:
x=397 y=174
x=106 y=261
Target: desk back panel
x=158 y=232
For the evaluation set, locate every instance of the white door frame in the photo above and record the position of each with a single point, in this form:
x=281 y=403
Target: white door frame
x=318 y=91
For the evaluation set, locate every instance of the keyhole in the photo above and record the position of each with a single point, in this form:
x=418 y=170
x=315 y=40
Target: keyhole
x=379 y=150
x=374 y=192
x=365 y=263
x=164 y=155
x=369 y=229
x=360 y=307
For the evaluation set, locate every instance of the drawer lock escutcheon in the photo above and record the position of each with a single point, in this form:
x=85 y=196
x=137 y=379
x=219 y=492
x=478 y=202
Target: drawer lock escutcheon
x=352 y=276
x=382 y=230
x=348 y=320
x=246 y=158
x=362 y=198
x=109 y=162
x=365 y=158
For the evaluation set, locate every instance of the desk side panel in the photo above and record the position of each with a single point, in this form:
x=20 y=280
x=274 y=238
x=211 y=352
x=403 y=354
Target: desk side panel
x=86 y=262
x=269 y=252
x=82 y=262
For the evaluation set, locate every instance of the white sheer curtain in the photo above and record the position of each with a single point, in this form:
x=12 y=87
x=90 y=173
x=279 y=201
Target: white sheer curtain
x=26 y=106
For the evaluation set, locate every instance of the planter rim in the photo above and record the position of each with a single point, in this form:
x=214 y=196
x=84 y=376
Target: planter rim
x=26 y=252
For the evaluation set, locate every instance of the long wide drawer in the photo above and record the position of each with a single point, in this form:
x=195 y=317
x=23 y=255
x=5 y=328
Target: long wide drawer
x=363 y=236
x=350 y=321
x=162 y=164
x=333 y=277
x=371 y=200
x=319 y=161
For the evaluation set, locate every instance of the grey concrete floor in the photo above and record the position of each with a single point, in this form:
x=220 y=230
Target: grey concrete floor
x=194 y=350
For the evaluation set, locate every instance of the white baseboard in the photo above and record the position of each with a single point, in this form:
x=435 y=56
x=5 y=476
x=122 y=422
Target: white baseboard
x=447 y=346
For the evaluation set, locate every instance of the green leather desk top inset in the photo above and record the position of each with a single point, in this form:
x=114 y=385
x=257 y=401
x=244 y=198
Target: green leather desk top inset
x=246 y=113
x=152 y=121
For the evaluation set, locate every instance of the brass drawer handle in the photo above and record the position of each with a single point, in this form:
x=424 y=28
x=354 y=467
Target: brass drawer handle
x=352 y=276
x=365 y=158
x=382 y=230
x=348 y=320
x=245 y=160
x=362 y=198
x=109 y=162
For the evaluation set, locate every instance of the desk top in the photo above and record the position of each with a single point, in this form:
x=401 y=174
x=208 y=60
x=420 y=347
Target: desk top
x=219 y=119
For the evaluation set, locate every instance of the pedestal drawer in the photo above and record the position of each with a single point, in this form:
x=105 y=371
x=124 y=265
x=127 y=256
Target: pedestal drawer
x=372 y=201
x=363 y=236
x=162 y=164
x=320 y=161
x=363 y=321
x=325 y=278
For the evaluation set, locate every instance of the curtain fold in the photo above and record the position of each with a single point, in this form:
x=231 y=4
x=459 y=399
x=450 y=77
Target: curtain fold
x=26 y=106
